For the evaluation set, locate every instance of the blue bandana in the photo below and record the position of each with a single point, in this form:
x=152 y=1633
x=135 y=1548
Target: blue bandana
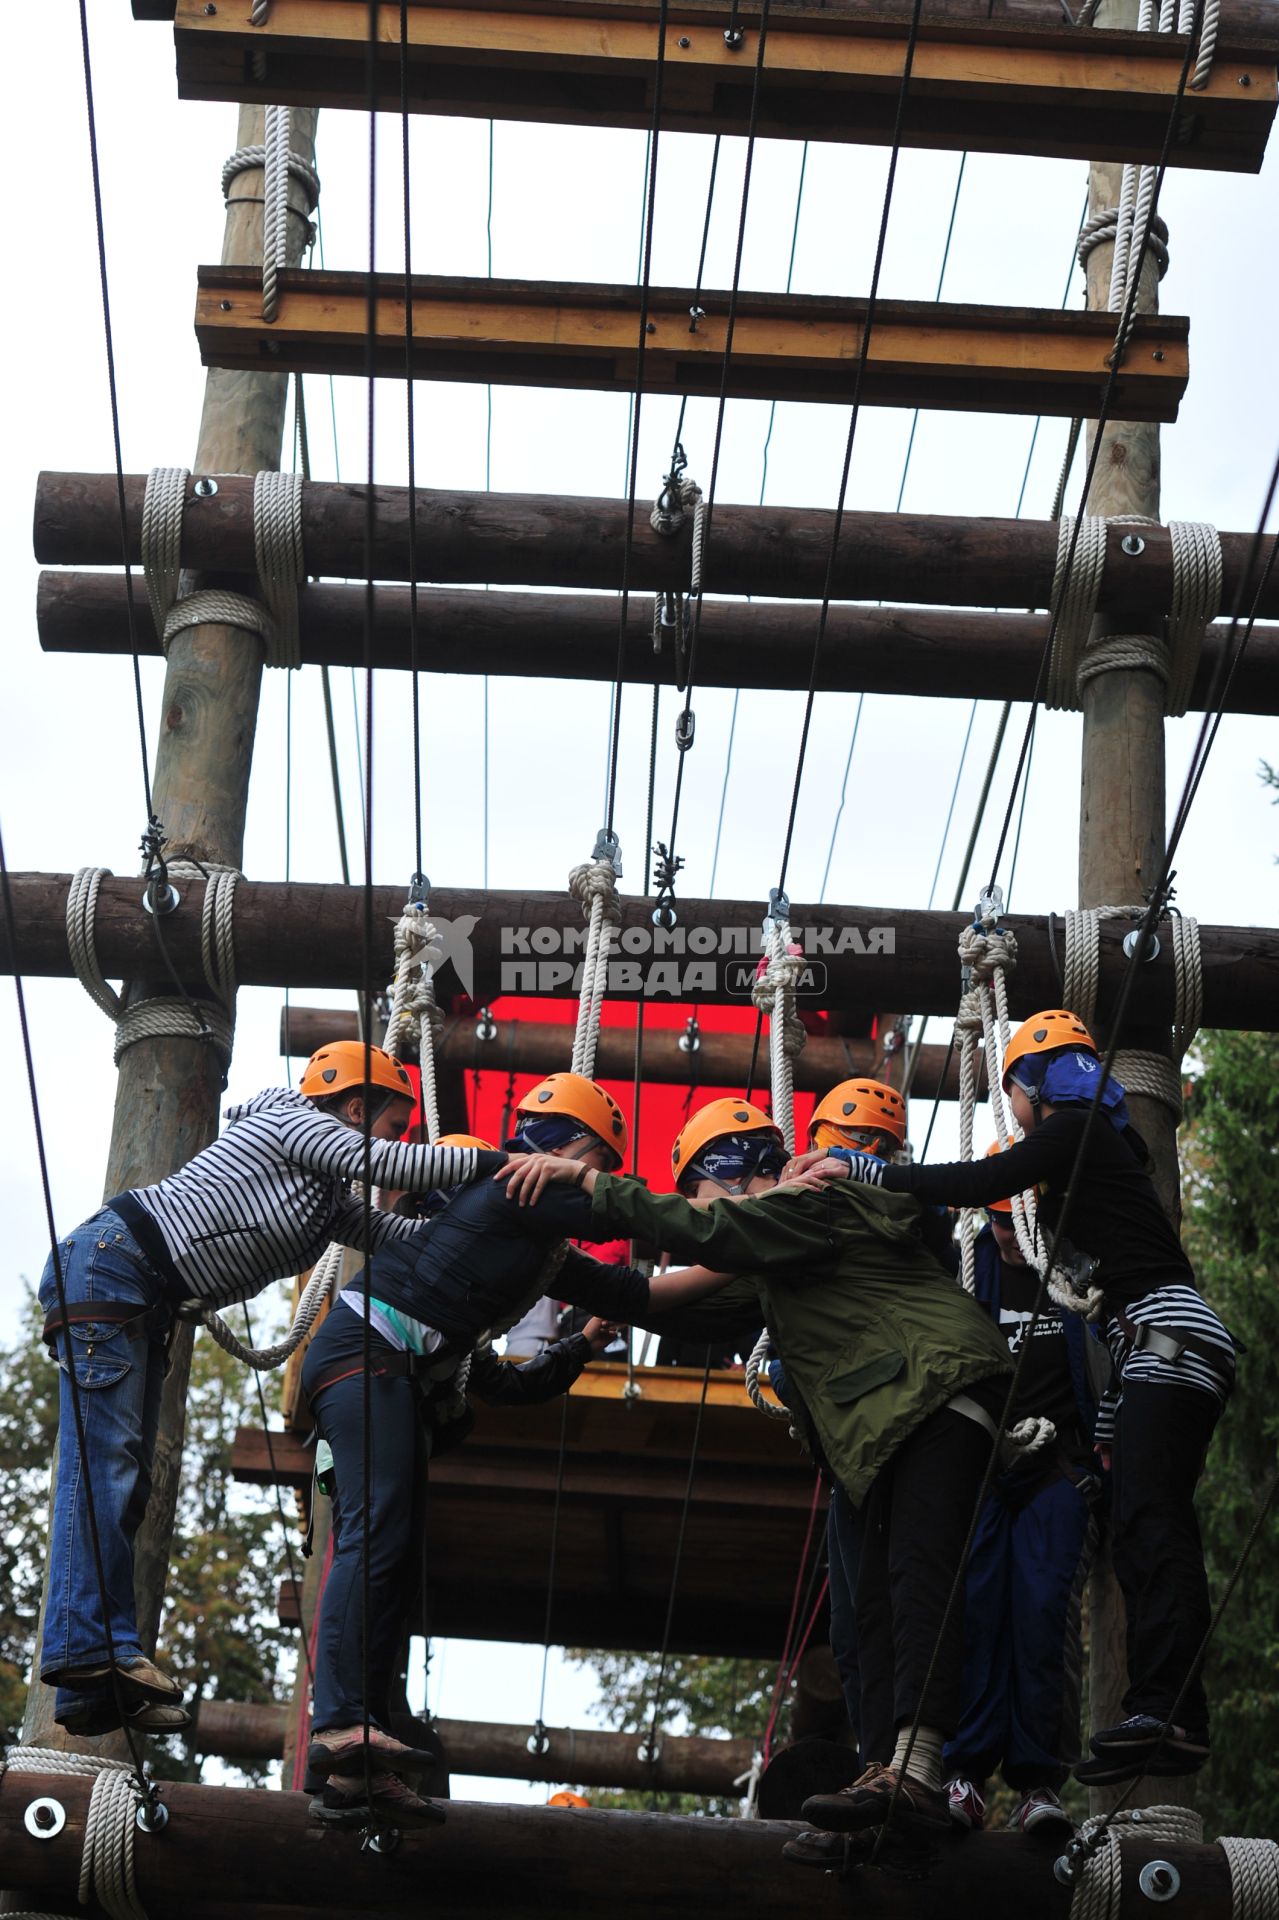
x=735 y=1158
x=1068 y=1078
x=544 y=1132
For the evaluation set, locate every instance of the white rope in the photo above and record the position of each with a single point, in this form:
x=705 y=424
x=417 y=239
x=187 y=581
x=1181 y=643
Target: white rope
x=277 y=547
x=55 y=1760
x=594 y=886
x=671 y=507
x=774 y=995
x=317 y=1290
x=163 y=503
x=258 y=13
x=1207 y=39
x=106 y=1861
x=1103 y=226
x=1140 y=1072
x=219 y=607
x=1074 y=603
x=1114 y=652
x=278 y=163
x=754 y=1366
x=1097 y=1891
x=1254 y=1878
x=1196 y=600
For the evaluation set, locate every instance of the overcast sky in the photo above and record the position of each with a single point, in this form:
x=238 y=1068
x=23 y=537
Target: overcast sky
x=566 y=204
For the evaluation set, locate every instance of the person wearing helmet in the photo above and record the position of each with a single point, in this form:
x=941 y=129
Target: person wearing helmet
x=893 y=1378
x=261 y=1202
x=421 y=1308
x=567 y=1798
x=1030 y=1557
x=1174 y=1364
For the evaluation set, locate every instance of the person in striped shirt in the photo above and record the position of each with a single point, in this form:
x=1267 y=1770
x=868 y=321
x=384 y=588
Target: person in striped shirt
x=1174 y=1366
x=262 y=1202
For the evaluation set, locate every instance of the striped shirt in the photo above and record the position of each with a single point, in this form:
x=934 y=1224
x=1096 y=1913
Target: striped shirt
x=1177 y=1311
x=267 y=1197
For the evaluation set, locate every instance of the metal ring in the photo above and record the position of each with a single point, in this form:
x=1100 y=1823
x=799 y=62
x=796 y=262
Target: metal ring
x=1159 y=1880
x=44 y=1819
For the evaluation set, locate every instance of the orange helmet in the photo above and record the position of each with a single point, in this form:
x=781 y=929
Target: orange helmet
x=583 y=1100
x=465 y=1140
x=712 y=1122
x=347 y=1064
x=567 y=1798
x=1044 y=1033
x=998 y=1206
x=854 y=1106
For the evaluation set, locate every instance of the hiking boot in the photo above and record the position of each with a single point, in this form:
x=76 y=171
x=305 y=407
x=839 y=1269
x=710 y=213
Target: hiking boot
x=1039 y=1807
x=866 y=1803
x=140 y=1679
x=344 y=1803
x=818 y=1847
x=967 y=1804
x=342 y=1750
x=100 y=1714
x=1140 y=1734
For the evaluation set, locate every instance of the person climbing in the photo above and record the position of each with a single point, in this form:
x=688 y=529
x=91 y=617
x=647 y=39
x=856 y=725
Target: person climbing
x=894 y=1377
x=466 y=1274
x=1030 y=1557
x=261 y=1202
x=1174 y=1365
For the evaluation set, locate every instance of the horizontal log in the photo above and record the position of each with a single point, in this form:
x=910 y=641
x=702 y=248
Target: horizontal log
x=551 y=540
x=574 y=636
x=785 y=346
x=990 y=88
x=489 y=1861
x=720 y=1060
x=291 y=935
x=585 y=1757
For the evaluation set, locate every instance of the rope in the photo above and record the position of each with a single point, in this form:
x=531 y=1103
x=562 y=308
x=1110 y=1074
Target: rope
x=106 y=1862
x=594 y=886
x=1254 y=1878
x=774 y=995
x=277 y=548
x=1151 y=1074
x=277 y=545
x=162 y=507
x=279 y=164
x=1196 y=600
x=1073 y=602
x=1097 y=1891
x=754 y=1365
x=1103 y=226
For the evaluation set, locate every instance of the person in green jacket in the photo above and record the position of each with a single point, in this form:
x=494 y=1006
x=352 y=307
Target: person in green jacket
x=896 y=1380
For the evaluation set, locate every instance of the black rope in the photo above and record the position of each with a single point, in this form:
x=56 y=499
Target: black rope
x=146 y=1788
x=632 y=483
x=539 y=1728
x=115 y=401
x=416 y=703
x=695 y=314
x=659 y=1692
x=279 y=1499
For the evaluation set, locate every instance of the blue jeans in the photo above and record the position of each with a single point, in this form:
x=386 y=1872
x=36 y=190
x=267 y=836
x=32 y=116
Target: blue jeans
x=119 y=1380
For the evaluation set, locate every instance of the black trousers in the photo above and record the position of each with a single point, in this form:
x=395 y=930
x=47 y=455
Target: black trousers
x=1161 y=1437
x=914 y=1522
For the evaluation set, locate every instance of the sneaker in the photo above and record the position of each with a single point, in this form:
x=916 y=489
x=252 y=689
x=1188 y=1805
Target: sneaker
x=866 y=1803
x=1140 y=1733
x=98 y=1713
x=967 y=1804
x=817 y=1847
x=344 y=1803
x=140 y=1679
x=1113 y=1768
x=1040 y=1807
x=342 y=1750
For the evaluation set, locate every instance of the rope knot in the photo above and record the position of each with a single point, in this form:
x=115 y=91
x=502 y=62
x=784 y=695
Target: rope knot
x=597 y=880
x=671 y=507
x=984 y=952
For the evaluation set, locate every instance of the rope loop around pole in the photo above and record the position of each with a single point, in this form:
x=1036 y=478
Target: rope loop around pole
x=281 y=564
x=1254 y=1877
x=1153 y=1075
x=107 y=1875
x=1097 y=1889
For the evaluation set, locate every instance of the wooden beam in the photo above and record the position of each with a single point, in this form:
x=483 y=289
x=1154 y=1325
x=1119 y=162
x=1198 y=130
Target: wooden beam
x=585 y=1757
x=552 y=540
x=785 y=346
x=299 y=936
x=866 y=649
x=254 y=1853
x=721 y=1059
x=1051 y=91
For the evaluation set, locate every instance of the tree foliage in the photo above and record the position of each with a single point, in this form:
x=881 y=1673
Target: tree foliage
x=219 y=1633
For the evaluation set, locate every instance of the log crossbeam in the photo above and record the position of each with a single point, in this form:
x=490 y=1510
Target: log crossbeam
x=984 y=86
x=785 y=346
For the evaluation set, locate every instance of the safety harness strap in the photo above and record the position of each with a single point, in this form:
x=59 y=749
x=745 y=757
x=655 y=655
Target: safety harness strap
x=136 y=1321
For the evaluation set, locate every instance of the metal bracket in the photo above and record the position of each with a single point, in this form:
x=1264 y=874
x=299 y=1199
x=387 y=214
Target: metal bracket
x=419 y=890
x=205 y=487
x=648 y=1756
x=778 y=906
x=690 y=1041
x=990 y=907
x=44 y=1819
x=632 y=1390
x=608 y=847
x=151 y=1816
x=538 y=1742
x=383 y=1840
x=664 y=915
x=161 y=899
x=696 y=313
x=734 y=39
x=486 y=1025
x=1159 y=1880
x=1132 y=544
x=685 y=728
x=1133 y=940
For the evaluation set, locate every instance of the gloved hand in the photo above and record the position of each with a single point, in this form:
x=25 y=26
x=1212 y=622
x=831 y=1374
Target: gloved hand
x=861 y=1166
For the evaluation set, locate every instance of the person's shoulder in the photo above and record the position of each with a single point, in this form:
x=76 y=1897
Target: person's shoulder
x=271 y=1103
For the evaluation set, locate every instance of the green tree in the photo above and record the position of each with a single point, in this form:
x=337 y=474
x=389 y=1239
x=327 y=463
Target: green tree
x=219 y=1633
x=1231 y=1230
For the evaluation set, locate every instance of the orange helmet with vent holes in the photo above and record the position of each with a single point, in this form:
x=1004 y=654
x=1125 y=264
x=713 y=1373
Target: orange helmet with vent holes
x=583 y=1100
x=341 y=1066
x=857 y=1106
x=712 y=1122
x=567 y=1798
x=1044 y=1033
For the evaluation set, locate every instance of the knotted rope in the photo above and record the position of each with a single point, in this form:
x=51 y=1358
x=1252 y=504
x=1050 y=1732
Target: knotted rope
x=1196 y=600
x=1151 y=1074
x=594 y=886
x=164 y=1017
x=1097 y=1891
x=776 y=982
x=277 y=545
x=1254 y=1878
x=107 y=1874
x=278 y=163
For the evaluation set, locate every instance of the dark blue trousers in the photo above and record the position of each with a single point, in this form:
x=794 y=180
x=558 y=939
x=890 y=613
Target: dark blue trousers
x=843 y=1555
x=1022 y=1658
x=342 y=1661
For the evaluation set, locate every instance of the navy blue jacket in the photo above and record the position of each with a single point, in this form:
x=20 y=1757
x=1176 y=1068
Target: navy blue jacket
x=988 y=1290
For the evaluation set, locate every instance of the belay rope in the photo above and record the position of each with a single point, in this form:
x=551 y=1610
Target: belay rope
x=594 y=886
x=774 y=995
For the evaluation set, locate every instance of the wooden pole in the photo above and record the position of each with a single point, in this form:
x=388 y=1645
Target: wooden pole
x=553 y=540
x=1121 y=852
x=169 y=1090
x=573 y=636
x=862 y=957
x=247 y=1852
x=722 y=1059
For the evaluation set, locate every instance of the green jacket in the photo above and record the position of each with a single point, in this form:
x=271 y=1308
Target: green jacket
x=874 y=1334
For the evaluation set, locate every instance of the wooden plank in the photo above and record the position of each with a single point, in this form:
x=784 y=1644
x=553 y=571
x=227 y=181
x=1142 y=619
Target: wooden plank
x=557 y=540
x=993 y=89
x=785 y=346
x=866 y=649
x=299 y=936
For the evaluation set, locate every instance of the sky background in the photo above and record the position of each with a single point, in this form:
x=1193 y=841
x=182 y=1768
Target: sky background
x=566 y=203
